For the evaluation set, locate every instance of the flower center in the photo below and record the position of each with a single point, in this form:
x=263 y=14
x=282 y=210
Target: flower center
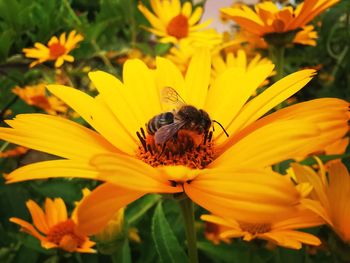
x=186 y=148
x=178 y=26
x=56 y=50
x=64 y=235
x=255 y=228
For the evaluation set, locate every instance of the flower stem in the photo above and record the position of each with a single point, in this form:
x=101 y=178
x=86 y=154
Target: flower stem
x=186 y=206
x=277 y=57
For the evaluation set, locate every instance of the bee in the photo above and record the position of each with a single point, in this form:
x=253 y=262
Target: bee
x=187 y=117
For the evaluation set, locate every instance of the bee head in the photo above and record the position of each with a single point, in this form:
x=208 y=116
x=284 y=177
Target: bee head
x=205 y=121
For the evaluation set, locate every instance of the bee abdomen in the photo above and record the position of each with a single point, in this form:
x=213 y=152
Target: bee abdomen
x=158 y=121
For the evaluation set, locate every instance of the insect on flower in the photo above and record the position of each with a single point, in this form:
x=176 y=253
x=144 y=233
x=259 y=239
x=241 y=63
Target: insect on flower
x=166 y=125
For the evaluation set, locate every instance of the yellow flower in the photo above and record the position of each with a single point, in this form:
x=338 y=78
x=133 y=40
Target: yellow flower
x=172 y=22
x=279 y=231
x=269 y=18
x=56 y=49
x=36 y=96
x=53 y=227
x=225 y=175
x=331 y=195
x=181 y=55
x=221 y=64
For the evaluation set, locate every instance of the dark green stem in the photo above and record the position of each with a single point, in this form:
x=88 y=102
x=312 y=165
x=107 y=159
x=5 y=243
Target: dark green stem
x=186 y=206
x=277 y=57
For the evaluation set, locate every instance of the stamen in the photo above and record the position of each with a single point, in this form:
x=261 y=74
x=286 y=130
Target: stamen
x=181 y=150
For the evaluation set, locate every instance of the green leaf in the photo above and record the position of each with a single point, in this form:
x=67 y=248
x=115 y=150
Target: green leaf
x=161 y=49
x=138 y=208
x=7 y=38
x=168 y=247
x=123 y=254
x=55 y=188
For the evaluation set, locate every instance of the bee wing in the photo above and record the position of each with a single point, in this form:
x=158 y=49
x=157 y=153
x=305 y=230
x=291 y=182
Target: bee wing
x=166 y=132
x=170 y=96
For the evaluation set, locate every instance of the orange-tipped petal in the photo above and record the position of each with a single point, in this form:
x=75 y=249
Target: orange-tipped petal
x=100 y=206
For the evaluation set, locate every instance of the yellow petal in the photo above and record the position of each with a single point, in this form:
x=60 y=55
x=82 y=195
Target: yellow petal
x=197 y=78
x=155 y=21
x=52 y=169
x=100 y=206
x=338 y=193
x=196 y=16
x=115 y=95
x=270 y=98
x=306 y=174
x=243 y=193
x=333 y=122
x=247 y=184
x=51 y=213
x=55 y=135
x=97 y=115
x=26 y=227
x=38 y=216
x=61 y=209
x=187 y=9
x=168 y=75
x=231 y=90
x=132 y=174
x=141 y=85
x=270 y=144
x=291 y=239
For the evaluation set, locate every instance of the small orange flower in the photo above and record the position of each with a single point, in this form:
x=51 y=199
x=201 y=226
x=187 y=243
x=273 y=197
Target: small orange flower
x=36 y=96
x=331 y=195
x=17 y=151
x=56 y=49
x=307 y=36
x=59 y=230
x=269 y=18
x=280 y=231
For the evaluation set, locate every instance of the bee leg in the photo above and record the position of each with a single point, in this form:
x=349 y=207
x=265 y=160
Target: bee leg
x=205 y=137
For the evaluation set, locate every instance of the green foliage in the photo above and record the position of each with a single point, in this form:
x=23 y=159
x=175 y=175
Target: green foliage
x=168 y=247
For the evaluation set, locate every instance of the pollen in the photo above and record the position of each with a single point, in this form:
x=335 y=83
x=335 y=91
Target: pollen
x=178 y=26
x=64 y=235
x=184 y=149
x=255 y=228
x=56 y=50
